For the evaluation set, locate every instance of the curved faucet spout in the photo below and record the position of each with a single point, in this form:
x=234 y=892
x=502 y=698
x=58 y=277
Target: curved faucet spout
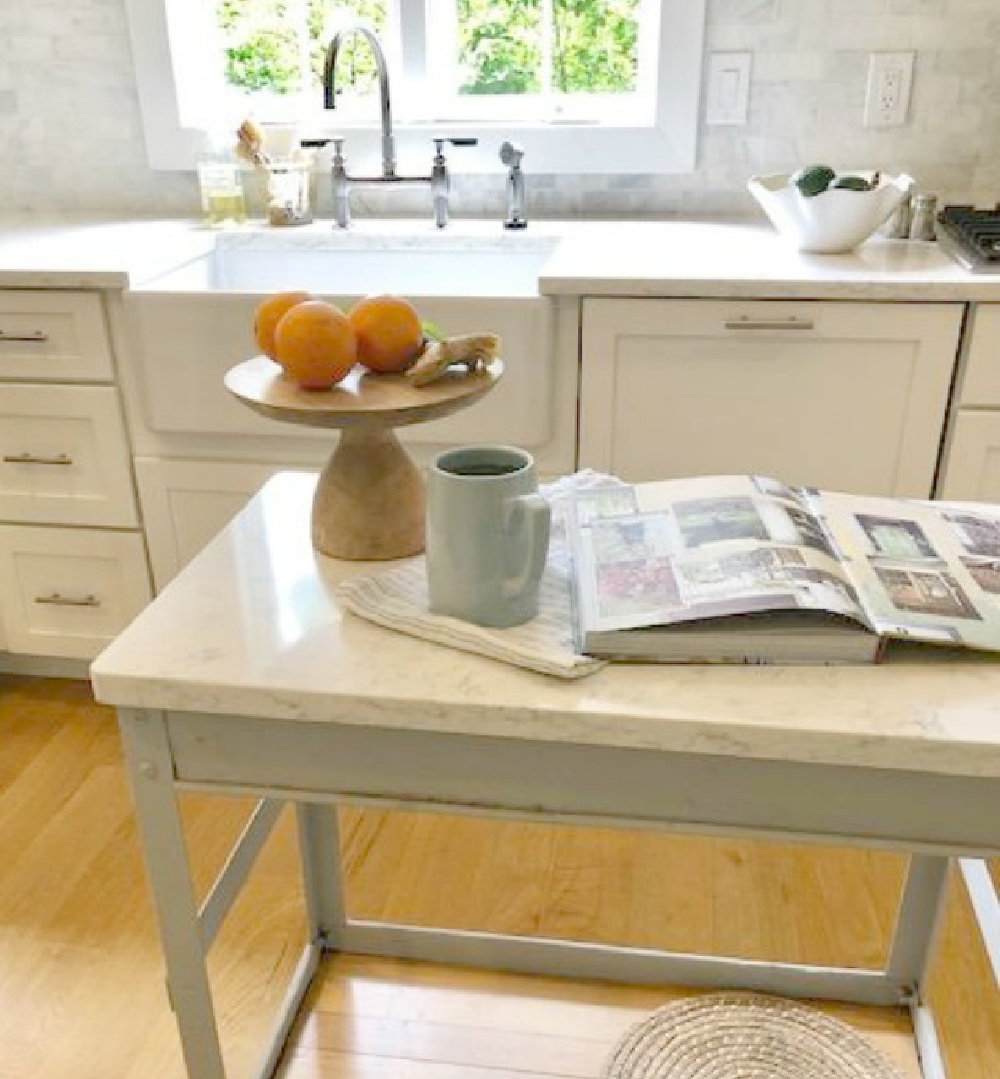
x=330 y=89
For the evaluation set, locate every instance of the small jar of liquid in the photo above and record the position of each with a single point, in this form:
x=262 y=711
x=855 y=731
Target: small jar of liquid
x=220 y=180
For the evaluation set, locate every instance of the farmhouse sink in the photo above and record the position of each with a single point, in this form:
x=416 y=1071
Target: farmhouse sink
x=413 y=266
x=191 y=324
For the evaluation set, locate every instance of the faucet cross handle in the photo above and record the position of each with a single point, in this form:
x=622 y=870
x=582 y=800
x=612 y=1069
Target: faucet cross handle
x=440 y=140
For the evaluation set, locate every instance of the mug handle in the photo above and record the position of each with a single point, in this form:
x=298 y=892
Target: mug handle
x=534 y=515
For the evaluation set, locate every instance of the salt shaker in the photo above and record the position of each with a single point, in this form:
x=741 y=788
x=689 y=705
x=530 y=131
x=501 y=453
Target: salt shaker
x=922 y=223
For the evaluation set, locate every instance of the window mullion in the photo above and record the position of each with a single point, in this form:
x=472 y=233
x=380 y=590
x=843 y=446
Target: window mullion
x=298 y=11
x=548 y=32
x=409 y=19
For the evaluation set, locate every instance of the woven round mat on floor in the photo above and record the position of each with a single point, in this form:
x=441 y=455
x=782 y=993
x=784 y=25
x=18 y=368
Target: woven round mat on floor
x=744 y=1036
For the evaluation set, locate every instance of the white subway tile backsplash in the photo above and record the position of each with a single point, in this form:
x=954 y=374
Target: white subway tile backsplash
x=69 y=115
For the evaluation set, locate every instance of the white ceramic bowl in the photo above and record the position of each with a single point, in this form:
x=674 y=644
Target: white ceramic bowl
x=835 y=220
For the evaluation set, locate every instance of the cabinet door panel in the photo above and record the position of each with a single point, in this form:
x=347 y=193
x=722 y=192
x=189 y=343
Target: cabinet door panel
x=981 y=384
x=185 y=503
x=972 y=464
x=849 y=396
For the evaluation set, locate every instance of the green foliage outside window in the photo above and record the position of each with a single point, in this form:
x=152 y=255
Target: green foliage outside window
x=498 y=47
x=593 y=44
x=596 y=46
x=261 y=50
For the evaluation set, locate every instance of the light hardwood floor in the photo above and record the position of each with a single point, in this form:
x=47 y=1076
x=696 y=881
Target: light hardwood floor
x=81 y=989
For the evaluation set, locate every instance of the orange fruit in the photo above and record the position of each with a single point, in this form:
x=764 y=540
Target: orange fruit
x=269 y=313
x=389 y=331
x=315 y=344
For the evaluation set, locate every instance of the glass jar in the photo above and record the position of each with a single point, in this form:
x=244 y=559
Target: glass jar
x=288 y=193
x=220 y=181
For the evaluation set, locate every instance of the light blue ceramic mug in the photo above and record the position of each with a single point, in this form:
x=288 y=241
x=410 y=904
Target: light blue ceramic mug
x=487 y=535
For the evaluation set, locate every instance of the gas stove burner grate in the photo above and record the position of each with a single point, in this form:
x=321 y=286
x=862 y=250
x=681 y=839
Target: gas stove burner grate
x=971 y=237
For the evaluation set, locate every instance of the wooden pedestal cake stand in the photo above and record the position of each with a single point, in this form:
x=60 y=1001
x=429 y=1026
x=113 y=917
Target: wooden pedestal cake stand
x=369 y=502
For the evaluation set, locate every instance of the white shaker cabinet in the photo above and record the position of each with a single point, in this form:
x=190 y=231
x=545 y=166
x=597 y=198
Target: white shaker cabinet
x=971 y=465
x=73 y=569
x=186 y=503
x=848 y=396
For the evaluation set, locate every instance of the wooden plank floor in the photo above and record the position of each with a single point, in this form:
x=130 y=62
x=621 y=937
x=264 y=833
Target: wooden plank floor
x=81 y=989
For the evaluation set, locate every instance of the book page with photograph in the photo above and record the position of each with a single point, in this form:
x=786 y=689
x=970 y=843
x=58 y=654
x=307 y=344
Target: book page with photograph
x=676 y=551
x=927 y=571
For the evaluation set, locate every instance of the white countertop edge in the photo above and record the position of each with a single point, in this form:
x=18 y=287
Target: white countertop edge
x=975 y=289
x=917 y=752
x=65 y=279
x=725 y=258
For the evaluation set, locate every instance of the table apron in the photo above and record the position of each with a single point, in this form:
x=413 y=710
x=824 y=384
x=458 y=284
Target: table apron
x=916 y=811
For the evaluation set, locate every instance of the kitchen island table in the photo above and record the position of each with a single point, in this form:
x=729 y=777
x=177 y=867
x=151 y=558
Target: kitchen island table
x=244 y=677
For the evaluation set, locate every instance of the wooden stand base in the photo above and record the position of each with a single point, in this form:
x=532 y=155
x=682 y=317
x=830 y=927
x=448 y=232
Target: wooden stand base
x=369 y=502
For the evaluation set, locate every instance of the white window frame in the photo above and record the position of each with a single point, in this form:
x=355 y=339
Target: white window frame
x=174 y=121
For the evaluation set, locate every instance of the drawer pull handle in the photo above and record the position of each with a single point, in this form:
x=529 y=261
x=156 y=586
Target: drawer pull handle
x=792 y=323
x=29 y=336
x=34 y=459
x=57 y=600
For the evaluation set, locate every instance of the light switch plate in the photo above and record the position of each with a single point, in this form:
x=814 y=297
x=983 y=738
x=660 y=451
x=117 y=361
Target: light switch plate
x=728 y=91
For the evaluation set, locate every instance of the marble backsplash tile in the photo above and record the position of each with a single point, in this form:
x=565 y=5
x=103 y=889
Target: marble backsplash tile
x=70 y=125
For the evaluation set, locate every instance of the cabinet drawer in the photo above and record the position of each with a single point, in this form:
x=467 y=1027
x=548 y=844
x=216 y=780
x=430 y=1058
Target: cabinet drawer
x=64 y=458
x=69 y=592
x=53 y=335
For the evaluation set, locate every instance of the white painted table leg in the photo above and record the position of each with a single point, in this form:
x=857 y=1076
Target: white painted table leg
x=926 y=1038
x=985 y=906
x=917 y=920
x=150 y=768
x=319 y=851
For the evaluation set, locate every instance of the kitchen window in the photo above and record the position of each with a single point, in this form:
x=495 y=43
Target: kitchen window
x=599 y=86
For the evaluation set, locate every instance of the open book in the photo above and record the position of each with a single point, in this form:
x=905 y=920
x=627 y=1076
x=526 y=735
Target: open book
x=745 y=569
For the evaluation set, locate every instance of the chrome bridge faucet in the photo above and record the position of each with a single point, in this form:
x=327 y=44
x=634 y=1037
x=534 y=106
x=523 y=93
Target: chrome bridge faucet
x=438 y=178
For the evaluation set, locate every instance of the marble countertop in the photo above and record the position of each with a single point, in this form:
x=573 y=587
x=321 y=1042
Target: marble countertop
x=90 y=253
x=735 y=258
x=250 y=628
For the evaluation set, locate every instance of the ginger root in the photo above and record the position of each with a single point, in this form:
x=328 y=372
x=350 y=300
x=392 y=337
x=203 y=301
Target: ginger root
x=471 y=349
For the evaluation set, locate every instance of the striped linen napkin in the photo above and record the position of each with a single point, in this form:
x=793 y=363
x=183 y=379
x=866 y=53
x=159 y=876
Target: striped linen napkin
x=397 y=598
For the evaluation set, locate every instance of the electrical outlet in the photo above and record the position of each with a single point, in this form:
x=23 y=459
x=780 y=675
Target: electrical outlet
x=890 y=75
